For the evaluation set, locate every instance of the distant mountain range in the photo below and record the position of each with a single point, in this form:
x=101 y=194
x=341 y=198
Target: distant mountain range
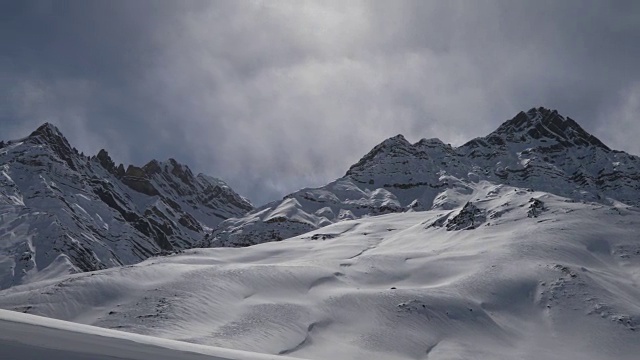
x=518 y=245
x=63 y=212
x=539 y=150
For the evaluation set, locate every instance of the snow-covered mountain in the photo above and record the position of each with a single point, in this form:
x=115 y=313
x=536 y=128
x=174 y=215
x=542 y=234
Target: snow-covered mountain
x=538 y=149
x=513 y=274
x=518 y=245
x=63 y=212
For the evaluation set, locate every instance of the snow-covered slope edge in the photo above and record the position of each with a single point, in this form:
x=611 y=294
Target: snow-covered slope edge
x=538 y=149
x=29 y=337
x=63 y=212
x=511 y=274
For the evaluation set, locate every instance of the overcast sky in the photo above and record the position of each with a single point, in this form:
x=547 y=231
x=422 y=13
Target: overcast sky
x=272 y=96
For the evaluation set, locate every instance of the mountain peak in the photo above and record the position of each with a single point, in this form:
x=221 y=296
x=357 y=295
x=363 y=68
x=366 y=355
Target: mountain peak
x=393 y=146
x=432 y=142
x=105 y=160
x=398 y=140
x=48 y=134
x=541 y=123
x=47 y=131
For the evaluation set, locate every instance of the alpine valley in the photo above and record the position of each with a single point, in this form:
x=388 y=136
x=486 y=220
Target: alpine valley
x=518 y=245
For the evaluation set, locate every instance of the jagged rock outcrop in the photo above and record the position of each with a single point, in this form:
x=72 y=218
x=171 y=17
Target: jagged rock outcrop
x=469 y=217
x=536 y=207
x=62 y=212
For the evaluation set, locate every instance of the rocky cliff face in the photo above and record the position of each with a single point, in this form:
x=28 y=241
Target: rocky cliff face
x=61 y=211
x=538 y=149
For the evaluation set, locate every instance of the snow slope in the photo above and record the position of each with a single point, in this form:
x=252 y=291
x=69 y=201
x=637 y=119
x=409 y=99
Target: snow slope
x=538 y=149
x=28 y=337
x=509 y=274
x=62 y=212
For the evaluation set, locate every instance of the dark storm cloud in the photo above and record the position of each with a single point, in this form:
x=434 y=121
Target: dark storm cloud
x=276 y=95
x=82 y=65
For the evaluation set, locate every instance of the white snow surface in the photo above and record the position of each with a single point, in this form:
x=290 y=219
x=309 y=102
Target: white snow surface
x=512 y=274
x=29 y=337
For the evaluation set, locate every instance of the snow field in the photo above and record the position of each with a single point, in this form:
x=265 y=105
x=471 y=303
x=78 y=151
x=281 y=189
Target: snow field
x=560 y=282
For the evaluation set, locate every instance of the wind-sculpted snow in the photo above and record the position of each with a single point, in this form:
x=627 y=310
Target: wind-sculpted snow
x=499 y=283
x=539 y=150
x=63 y=212
x=28 y=337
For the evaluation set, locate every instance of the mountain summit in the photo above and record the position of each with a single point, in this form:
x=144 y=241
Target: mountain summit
x=538 y=149
x=543 y=125
x=63 y=212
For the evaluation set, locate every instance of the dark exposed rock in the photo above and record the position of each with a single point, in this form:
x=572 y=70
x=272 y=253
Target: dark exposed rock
x=152 y=167
x=136 y=178
x=189 y=222
x=182 y=172
x=120 y=171
x=470 y=217
x=105 y=160
x=536 y=207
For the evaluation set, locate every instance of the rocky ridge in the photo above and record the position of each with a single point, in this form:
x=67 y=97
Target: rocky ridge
x=63 y=212
x=538 y=149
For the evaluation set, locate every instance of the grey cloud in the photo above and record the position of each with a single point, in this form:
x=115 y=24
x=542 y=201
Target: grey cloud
x=276 y=95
